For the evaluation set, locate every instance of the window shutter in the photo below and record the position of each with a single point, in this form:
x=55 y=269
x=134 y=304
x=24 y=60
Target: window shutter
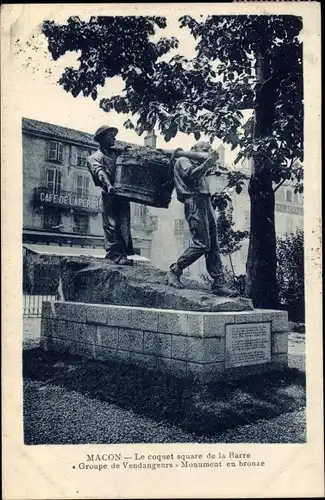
x=86 y=185
x=74 y=183
x=137 y=210
x=50 y=180
x=73 y=155
x=79 y=158
x=52 y=150
x=49 y=176
x=84 y=156
x=143 y=212
x=58 y=182
x=78 y=184
x=60 y=152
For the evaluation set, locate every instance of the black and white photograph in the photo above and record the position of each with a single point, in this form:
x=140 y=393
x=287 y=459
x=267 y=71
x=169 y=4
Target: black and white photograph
x=163 y=238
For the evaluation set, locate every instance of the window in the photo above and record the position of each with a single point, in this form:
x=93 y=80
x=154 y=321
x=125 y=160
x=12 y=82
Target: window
x=289 y=195
x=81 y=185
x=53 y=180
x=52 y=219
x=82 y=155
x=179 y=227
x=55 y=151
x=141 y=212
x=80 y=223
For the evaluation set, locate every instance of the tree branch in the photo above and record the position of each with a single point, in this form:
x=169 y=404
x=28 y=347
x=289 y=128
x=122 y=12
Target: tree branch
x=279 y=185
x=283 y=180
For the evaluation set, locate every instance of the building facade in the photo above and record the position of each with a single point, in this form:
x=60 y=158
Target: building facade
x=62 y=206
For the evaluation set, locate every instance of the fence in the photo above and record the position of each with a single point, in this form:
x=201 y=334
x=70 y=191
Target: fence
x=32 y=305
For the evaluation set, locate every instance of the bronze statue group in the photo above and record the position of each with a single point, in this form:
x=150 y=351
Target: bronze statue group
x=192 y=191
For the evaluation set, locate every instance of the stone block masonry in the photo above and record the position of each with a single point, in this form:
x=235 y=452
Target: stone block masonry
x=200 y=345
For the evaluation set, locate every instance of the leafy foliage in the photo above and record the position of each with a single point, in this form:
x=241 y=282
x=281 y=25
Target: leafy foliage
x=41 y=274
x=243 y=45
x=155 y=157
x=237 y=281
x=204 y=95
x=108 y=47
x=231 y=280
x=229 y=238
x=290 y=274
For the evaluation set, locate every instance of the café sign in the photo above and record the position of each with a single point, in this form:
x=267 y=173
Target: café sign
x=70 y=200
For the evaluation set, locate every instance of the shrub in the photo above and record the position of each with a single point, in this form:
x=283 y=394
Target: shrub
x=41 y=274
x=230 y=239
x=290 y=274
x=234 y=281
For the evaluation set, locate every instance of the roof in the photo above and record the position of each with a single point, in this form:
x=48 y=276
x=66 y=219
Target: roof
x=39 y=128
x=65 y=251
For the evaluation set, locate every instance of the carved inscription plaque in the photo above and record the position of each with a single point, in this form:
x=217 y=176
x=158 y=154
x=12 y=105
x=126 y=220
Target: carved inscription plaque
x=248 y=344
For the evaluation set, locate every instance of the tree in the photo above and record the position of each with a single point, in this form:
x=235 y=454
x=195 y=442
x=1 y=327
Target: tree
x=242 y=62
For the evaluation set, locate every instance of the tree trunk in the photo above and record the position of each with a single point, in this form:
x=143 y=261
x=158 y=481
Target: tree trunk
x=261 y=282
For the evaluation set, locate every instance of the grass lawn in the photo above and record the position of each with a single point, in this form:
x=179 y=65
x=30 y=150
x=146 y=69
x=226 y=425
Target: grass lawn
x=68 y=400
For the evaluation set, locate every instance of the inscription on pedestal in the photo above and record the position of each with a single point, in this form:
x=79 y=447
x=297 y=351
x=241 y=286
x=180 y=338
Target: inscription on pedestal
x=248 y=344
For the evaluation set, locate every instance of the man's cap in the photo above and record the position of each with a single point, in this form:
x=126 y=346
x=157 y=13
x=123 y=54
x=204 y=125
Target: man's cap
x=102 y=129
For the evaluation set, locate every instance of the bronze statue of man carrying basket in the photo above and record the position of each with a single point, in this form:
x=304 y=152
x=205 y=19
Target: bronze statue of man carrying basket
x=149 y=176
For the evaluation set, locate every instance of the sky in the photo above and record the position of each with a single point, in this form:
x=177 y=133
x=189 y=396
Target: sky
x=40 y=97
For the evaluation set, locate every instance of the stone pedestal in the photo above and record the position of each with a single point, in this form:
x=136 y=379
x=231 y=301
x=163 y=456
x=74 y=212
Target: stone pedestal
x=196 y=344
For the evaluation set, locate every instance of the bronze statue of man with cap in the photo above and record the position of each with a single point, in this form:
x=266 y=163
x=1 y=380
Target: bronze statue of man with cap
x=116 y=210
x=192 y=190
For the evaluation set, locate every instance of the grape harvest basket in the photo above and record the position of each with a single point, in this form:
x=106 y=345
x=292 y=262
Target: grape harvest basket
x=143 y=175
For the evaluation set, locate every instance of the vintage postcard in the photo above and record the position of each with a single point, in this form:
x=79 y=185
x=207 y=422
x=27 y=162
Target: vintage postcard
x=161 y=229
